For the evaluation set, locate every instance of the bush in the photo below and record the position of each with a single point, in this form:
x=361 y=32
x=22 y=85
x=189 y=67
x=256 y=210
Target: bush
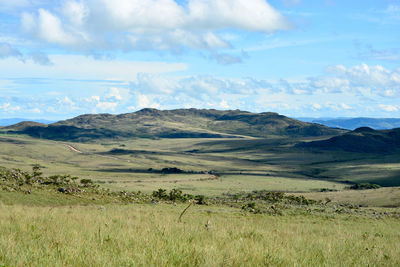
x=200 y=199
x=171 y=170
x=251 y=207
x=86 y=181
x=364 y=186
x=175 y=194
x=160 y=194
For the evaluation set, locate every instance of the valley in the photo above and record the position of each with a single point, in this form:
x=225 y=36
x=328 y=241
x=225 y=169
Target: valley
x=280 y=192
x=291 y=162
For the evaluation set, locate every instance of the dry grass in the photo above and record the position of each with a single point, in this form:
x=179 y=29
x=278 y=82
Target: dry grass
x=144 y=235
x=382 y=197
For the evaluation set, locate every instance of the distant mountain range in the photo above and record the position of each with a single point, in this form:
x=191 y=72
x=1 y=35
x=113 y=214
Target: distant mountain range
x=179 y=123
x=354 y=123
x=8 y=122
x=210 y=123
x=343 y=123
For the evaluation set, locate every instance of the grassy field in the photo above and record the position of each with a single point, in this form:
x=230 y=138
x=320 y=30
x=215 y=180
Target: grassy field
x=85 y=225
x=241 y=217
x=242 y=164
x=150 y=235
x=382 y=197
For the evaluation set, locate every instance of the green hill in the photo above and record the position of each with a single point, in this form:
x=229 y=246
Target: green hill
x=363 y=140
x=180 y=123
x=21 y=126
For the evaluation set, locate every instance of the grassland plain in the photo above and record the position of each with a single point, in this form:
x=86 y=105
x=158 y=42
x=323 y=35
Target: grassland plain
x=85 y=225
x=149 y=235
x=242 y=164
x=382 y=197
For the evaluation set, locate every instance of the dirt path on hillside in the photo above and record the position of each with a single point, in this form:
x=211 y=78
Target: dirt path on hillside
x=94 y=154
x=211 y=176
x=73 y=149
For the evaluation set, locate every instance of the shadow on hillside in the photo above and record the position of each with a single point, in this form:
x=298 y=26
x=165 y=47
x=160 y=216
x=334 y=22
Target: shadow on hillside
x=391 y=180
x=12 y=141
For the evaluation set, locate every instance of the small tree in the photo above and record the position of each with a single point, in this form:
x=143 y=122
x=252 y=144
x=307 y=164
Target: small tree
x=175 y=194
x=160 y=193
x=36 y=174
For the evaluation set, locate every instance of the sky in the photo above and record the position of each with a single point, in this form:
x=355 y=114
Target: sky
x=300 y=58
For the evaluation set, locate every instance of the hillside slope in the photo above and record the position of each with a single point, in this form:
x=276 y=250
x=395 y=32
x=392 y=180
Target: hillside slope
x=180 y=123
x=363 y=140
x=21 y=126
x=12 y=121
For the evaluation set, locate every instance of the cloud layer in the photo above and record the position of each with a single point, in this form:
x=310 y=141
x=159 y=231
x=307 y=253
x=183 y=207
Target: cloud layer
x=341 y=91
x=165 y=25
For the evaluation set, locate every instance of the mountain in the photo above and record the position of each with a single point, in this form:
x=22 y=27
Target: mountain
x=12 y=121
x=179 y=123
x=21 y=126
x=363 y=140
x=354 y=123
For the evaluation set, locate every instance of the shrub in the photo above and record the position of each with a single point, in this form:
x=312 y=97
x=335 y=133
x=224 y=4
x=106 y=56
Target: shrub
x=36 y=171
x=200 y=199
x=364 y=186
x=175 y=194
x=160 y=194
x=171 y=170
x=86 y=181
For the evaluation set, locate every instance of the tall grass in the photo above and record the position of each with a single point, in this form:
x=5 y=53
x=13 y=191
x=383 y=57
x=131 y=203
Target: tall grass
x=145 y=235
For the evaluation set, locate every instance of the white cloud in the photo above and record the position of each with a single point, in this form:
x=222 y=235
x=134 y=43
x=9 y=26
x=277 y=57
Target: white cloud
x=96 y=103
x=118 y=94
x=389 y=108
x=95 y=98
x=250 y=15
x=75 y=12
x=7 y=107
x=316 y=106
x=35 y=110
x=107 y=105
x=50 y=29
x=81 y=67
x=143 y=101
x=112 y=98
x=28 y=22
x=361 y=79
x=330 y=84
x=101 y=25
x=195 y=85
x=224 y=104
x=344 y=91
x=67 y=100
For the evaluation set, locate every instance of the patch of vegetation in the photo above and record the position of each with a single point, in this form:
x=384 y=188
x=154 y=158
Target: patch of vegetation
x=16 y=180
x=177 y=195
x=364 y=186
x=171 y=170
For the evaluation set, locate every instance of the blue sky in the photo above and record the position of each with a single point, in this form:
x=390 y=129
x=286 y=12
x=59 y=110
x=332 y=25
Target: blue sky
x=300 y=58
